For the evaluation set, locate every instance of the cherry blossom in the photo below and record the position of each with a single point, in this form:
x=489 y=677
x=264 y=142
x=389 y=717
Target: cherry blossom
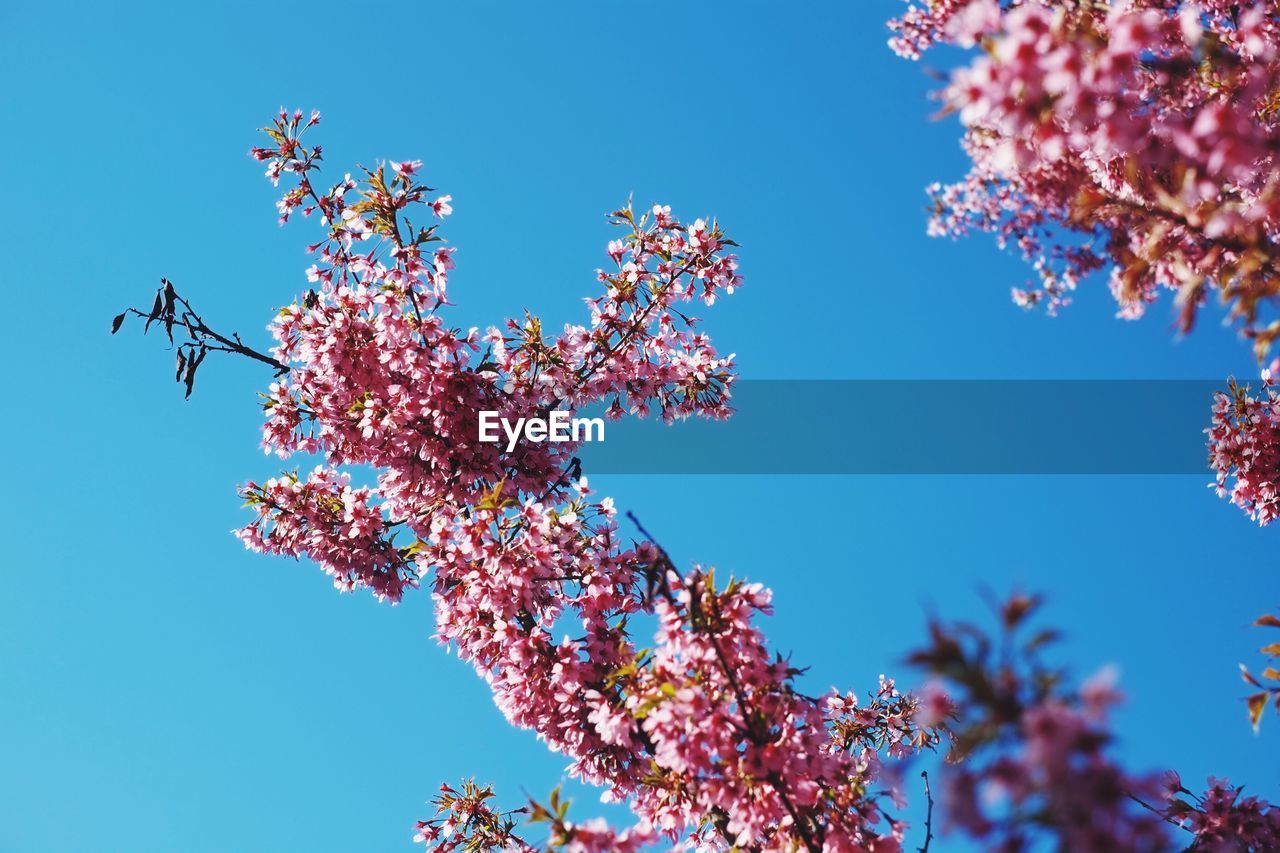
x=1244 y=448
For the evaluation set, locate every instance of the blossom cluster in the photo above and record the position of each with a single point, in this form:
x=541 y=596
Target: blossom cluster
x=338 y=527
x=1222 y=817
x=465 y=820
x=1136 y=137
x=1244 y=447
x=378 y=378
x=703 y=734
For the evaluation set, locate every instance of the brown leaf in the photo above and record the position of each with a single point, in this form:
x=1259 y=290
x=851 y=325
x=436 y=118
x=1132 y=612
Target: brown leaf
x=192 y=364
x=1043 y=638
x=1017 y=608
x=156 y=308
x=1257 y=704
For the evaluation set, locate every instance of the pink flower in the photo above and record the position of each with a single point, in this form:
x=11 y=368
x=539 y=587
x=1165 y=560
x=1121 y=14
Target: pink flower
x=974 y=20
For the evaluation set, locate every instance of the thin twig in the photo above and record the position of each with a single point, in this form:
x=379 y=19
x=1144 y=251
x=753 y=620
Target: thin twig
x=928 y=816
x=1166 y=818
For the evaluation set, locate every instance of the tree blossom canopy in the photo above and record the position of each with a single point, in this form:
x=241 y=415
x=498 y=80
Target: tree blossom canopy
x=704 y=732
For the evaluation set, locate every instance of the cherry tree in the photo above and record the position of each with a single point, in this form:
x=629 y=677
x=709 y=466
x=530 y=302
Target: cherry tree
x=703 y=731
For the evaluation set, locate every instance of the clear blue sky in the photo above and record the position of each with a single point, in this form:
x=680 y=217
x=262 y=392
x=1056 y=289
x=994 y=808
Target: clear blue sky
x=164 y=690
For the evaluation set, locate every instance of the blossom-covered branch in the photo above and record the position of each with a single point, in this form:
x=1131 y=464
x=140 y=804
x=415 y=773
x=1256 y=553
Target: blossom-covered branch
x=1137 y=138
x=703 y=734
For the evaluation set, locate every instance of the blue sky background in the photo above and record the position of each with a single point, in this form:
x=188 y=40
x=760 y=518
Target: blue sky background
x=162 y=689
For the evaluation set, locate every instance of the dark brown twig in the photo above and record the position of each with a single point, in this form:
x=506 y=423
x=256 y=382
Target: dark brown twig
x=172 y=311
x=928 y=817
